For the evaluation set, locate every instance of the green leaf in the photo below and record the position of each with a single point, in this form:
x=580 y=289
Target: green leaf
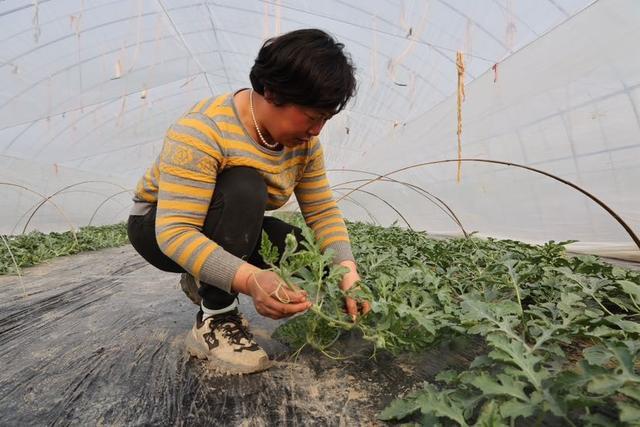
x=438 y=403
x=512 y=351
x=268 y=251
x=481 y=361
x=597 y=355
x=632 y=289
x=603 y=331
x=504 y=386
x=598 y=420
x=490 y=416
x=604 y=384
x=626 y=325
x=632 y=391
x=625 y=356
x=446 y=376
x=399 y=409
x=515 y=408
x=629 y=412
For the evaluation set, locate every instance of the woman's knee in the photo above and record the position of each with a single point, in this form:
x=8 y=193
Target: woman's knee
x=243 y=187
x=141 y=233
x=235 y=216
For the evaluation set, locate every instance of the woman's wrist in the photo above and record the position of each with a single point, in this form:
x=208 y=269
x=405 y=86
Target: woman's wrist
x=241 y=279
x=351 y=265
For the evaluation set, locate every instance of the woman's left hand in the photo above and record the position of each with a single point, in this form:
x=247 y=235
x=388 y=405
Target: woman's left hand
x=348 y=281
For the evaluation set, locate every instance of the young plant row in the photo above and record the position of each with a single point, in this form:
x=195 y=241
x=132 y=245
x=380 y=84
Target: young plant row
x=26 y=250
x=561 y=333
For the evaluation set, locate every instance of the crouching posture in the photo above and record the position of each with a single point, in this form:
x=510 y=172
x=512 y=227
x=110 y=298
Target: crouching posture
x=200 y=208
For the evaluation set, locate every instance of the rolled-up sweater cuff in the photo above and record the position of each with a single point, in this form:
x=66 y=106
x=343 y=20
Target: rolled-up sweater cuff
x=341 y=252
x=220 y=269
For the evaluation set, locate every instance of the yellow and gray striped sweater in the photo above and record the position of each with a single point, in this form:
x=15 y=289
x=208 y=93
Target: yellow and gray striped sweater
x=201 y=144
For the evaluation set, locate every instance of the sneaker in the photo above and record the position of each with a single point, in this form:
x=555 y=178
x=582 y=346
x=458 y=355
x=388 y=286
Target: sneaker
x=226 y=342
x=190 y=286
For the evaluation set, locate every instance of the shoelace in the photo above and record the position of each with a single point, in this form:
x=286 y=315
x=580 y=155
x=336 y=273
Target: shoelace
x=232 y=327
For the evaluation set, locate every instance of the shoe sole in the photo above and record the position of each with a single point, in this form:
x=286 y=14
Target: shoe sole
x=191 y=292
x=195 y=349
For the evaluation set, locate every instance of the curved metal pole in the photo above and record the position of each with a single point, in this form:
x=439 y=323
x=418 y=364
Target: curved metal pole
x=384 y=201
x=611 y=212
x=105 y=201
x=375 y=221
x=444 y=208
x=117 y=214
x=415 y=188
x=426 y=194
x=352 y=200
x=449 y=212
x=348 y=199
x=45 y=199
x=36 y=204
x=60 y=191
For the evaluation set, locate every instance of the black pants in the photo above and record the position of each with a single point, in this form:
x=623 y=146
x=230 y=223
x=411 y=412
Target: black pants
x=235 y=221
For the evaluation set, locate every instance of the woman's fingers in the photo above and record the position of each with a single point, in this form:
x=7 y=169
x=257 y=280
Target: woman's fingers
x=288 y=309
x=352 y=308
x=273 y=285
x=285 y=310
x=274 y=298
x=355 y=308
x=289 y=296
x=366 y=307
x=269 y=312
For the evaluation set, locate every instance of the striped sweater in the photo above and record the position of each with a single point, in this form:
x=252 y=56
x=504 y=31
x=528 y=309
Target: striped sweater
x=201 y=144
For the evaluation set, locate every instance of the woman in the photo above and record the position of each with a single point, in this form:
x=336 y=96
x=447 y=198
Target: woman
x=199 y=209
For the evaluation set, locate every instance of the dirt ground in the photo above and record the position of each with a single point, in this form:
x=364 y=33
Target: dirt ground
x=97 y=338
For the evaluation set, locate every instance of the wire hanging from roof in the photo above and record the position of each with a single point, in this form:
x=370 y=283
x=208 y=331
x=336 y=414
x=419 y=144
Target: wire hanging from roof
x=413 y=36
x=460 y=67
x=35 y=21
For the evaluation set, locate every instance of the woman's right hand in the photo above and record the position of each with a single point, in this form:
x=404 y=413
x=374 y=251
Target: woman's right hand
x=272 y=297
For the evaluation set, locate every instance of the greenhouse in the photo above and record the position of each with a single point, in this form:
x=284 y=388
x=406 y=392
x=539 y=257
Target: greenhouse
x=280 y=212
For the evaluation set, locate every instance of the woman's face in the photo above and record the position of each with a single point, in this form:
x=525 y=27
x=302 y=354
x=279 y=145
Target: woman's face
x=292 y=125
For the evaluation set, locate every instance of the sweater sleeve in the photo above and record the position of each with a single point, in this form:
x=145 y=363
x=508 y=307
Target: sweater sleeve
x=189 y=164
x=319 y=209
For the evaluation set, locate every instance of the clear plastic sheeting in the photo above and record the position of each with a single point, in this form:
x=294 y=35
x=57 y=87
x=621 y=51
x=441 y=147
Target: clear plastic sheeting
x=96 y=200
x=89 y=88
x=566 y=104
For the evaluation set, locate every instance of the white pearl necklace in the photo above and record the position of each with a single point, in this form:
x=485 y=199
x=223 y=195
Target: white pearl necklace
x=255 y=123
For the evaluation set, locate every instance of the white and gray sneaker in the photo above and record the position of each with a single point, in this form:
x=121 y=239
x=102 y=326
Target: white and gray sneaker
x=225 y=341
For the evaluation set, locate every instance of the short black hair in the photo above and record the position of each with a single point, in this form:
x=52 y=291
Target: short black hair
x=305 y=67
